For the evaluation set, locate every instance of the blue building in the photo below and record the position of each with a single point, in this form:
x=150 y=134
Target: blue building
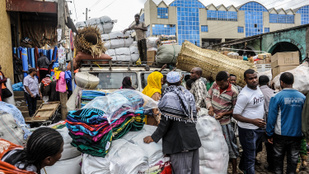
x=206 y=25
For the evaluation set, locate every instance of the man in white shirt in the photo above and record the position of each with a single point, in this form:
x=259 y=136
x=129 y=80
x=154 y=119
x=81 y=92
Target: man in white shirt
x=249 y=111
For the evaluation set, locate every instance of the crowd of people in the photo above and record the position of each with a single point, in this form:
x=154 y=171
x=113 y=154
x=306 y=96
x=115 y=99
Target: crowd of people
x=263 y=117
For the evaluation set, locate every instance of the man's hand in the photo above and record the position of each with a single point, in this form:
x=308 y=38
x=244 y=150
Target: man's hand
x=259 y=122
x=219 y=116
x=53 y=60
x=211 y=111
x=270 y=140
x=32 y=96
x=41 y=96
x=148 y=139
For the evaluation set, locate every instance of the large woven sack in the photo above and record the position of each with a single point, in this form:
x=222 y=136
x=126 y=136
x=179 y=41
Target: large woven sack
x=9 y=129
x=168 y=54
x=211 y=62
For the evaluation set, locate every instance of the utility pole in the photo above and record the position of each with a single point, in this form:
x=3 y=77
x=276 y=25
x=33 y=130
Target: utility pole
x=61 y=26
x=86 y=14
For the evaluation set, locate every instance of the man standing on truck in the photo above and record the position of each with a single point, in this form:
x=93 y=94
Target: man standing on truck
x=140 y=30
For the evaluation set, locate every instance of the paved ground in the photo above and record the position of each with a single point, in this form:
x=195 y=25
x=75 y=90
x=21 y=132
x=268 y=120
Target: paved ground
x=260 y=168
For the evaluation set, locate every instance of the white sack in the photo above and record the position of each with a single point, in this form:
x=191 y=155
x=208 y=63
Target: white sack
x=95 y=165
x=116 y=43
x=110 y=52
x=80 y=25
x=301 y=77
x=105 y=19
x=65 y=167
x=152 y=42
x=107 y=28
x=123 y=58
x=213 y=154
x=126 y=157
x=134 y=57
x=133 y=49
x=128 y=42
x=122 y=51
x=93 y=21
x=107 y=44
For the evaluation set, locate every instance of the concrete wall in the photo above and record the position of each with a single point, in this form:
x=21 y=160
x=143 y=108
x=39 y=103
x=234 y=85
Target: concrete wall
x=222 y=29
x=6 y=60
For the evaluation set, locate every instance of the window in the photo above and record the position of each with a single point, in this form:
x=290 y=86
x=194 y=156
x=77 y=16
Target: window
x=281 y=18
x=304 y=11
x=160 y=29
x=162 y=13
x=253 y=18
x=112 y=80
x=212 y=15
x=142 y=18
x=188 y=20
x=221 y=15
x=204 y=28
x=240 y=29
x=266 y=29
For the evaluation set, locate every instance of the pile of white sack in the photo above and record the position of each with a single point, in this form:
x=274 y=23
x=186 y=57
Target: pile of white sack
x=105 y=24
x=121 y=47
x=131 y=155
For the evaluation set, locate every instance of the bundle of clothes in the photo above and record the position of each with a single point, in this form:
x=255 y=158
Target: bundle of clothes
x=104 y=119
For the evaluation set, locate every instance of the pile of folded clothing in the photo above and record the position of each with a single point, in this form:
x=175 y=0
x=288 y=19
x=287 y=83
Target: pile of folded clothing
x=88 y=95
x=93 y=129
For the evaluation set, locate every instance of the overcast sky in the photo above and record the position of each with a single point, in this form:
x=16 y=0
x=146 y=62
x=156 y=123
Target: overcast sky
x=124 y=10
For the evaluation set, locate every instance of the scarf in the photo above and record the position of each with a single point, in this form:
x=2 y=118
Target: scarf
x=178 y=104
x=153 y=84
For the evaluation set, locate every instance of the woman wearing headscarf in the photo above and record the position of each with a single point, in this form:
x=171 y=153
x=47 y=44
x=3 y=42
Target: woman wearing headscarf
x=127 y=83
x=153 y=90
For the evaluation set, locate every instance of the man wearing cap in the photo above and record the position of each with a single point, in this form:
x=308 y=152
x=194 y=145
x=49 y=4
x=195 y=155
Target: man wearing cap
x=177 y=127
x=32 y=92
x=43 y=64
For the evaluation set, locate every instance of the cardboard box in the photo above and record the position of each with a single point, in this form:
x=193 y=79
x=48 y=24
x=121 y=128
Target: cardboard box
x=277 y=70
x=267 y=60
x=264 y=55
x=285 y=58
x=260 y=62
x=151 y=55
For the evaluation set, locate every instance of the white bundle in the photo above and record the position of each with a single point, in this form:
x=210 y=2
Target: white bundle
x=301 y=77
x=93 y=22
x=128 y=33
x=152 y=42
x=107 y=44
x=116 y=43
x=126 y=157
x=125 y=58
x=134 y=57
x=122 y=51
x=134 y=44
x=105 y=19
x=128 y=42
x=69 y=151
x=133 y=49
x=80 y=25
x=95 y=165
x=232 y=54
x=213 y=154
x=65 y=166
x=110 y=52
x=107 y=27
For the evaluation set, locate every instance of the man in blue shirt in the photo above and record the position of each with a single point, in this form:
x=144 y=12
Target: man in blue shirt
x=284 y=124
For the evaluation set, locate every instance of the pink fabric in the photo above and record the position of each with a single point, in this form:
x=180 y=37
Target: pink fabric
x=61 y=83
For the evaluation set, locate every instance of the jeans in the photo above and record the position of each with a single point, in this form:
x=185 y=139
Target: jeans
x=249 y=140
x=31 y=104
x=289 y=145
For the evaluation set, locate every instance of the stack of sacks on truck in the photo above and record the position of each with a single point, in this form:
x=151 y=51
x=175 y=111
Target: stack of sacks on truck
x=107 y=118
x=120 y=46
x=105 y=24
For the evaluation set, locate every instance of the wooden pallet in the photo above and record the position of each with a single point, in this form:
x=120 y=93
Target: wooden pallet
x=45 y=112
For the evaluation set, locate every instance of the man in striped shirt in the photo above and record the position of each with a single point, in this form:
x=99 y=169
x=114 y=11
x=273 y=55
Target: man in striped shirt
x=220 y=102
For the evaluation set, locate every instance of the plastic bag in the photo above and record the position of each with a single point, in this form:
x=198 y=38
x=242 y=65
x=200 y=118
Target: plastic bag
x=120 y=102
